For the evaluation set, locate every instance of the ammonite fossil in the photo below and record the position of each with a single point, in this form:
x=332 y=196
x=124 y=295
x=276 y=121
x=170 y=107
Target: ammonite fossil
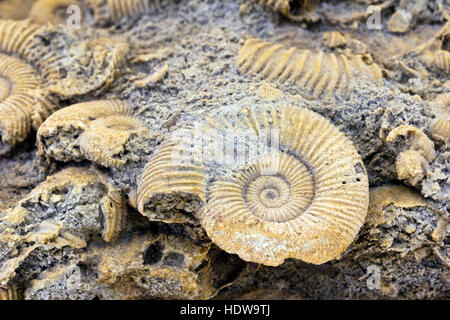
x=303 y=193
x=55 y=11
x=18 y=85
x=315 y=72
x=101 y=131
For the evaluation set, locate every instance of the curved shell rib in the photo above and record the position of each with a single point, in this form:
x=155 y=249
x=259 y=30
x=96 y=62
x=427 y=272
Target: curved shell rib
x=305 y=201
x=76 y=132
x=16 y=37
x=439 y=59
x=18 y=82
x=315 y=72
x=115 y=10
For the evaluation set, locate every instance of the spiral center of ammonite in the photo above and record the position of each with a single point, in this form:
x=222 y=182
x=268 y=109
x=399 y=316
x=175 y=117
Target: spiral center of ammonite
x=274 y=191
x=4 y=89
x=282 y=195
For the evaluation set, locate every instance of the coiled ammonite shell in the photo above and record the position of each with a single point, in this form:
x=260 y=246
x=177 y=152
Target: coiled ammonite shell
x=315 y=72
x=103 y=59
x=55 y=11
x=305 y=196
x=18 y=82
x=115 y=10
x=99 y=131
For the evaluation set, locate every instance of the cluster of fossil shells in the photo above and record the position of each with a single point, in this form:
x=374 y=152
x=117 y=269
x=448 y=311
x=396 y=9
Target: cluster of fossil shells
x=265 y=182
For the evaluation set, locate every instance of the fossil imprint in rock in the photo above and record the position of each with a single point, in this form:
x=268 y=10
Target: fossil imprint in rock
x=100 y=131
x=315 y=72
x=306 y=199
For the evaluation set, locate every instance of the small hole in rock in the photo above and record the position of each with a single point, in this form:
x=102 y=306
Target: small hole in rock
x=173 y=259
x=154 y=253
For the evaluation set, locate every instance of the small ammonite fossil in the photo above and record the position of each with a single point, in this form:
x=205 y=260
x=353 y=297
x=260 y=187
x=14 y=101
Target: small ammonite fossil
x=102 y=131
x=315 y=72
x=18 y=85
x=302 y=194
x=54 y=11
x=415 y=153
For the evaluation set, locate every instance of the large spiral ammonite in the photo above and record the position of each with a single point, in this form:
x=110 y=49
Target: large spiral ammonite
x=305 y=199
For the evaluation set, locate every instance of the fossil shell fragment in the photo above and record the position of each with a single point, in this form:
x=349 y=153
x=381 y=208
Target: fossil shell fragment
x=315 y=72
x=115 y=10
x=55 y=11
x=439 y=59
x=416 y=140
x=411 y=166
x=16 y=38
x=9 y=293
x=103 y=59
x=170 y=180
x=441 y=125
x=306 y=200
x=287 y=8
x=334 y=39
x=18 y=82
x=100 y=131
x=400 y=196
x=415 y=154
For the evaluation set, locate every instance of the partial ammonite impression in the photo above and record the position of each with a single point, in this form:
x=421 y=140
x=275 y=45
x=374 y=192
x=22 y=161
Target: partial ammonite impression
x=289 y=185
x=115 y=10
x=18 y=85
x=316 y=72
x=102 y=131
